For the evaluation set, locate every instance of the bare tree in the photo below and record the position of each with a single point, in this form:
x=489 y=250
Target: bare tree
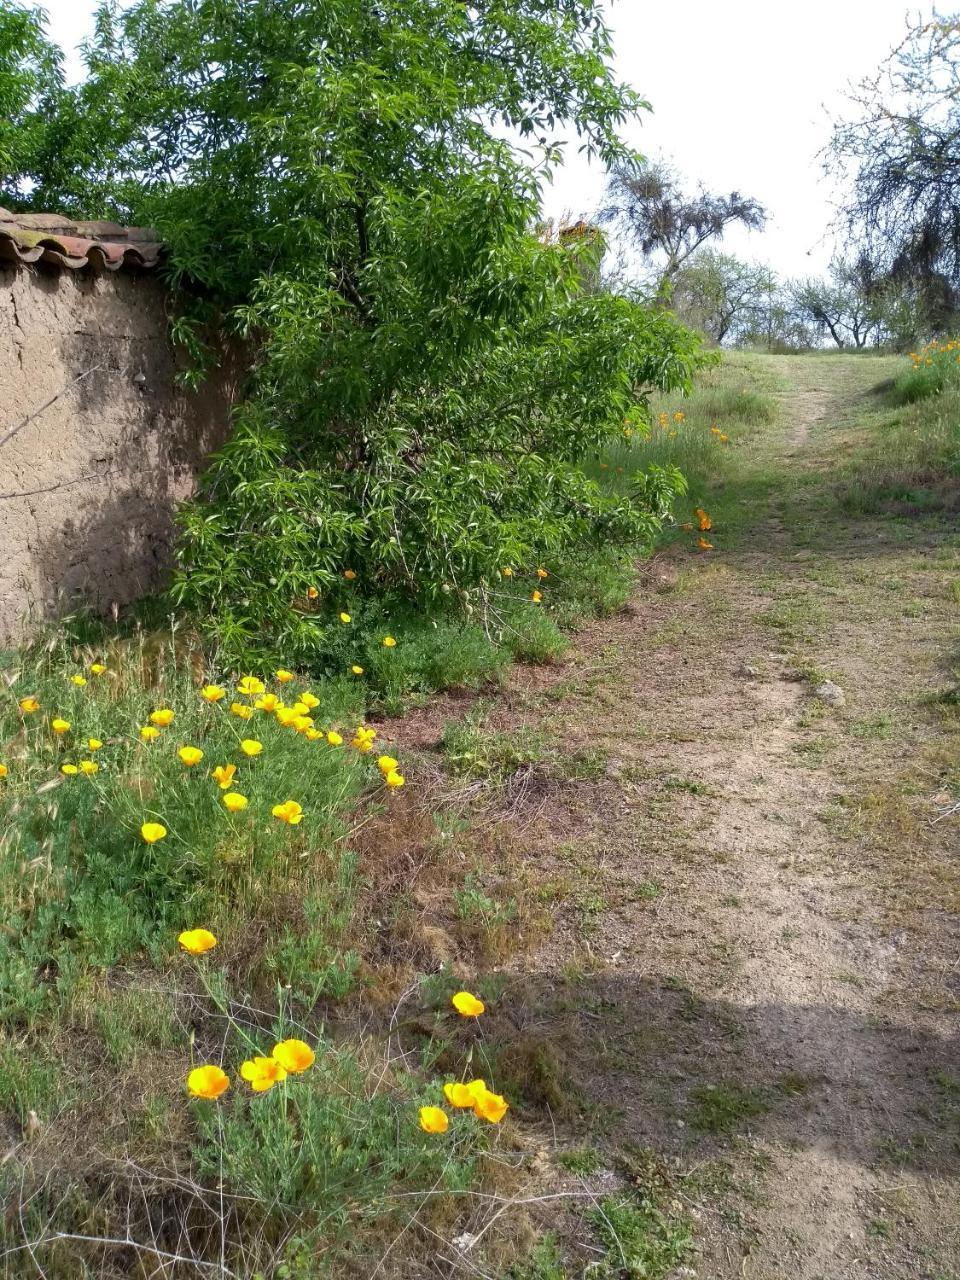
x=649 y=206
x=900 y=152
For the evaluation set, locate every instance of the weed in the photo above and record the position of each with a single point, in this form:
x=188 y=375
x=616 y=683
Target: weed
x=642 y=1241
x=583 y=1161
x=721 y=1108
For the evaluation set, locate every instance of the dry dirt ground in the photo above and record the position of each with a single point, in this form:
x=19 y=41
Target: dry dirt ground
x=751 y=972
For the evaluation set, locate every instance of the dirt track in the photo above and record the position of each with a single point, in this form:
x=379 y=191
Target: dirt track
x=753 y=965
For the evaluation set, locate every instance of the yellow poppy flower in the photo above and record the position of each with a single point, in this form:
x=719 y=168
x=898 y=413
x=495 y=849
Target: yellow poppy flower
x=542 y=573
x=715 y=431
x=364 y=739
x=190 y=756
x=250 y=685
x=241 y=710
x=723 y=438
x=284 y=677
x=286 y=715
x=3 y=770
x=212 y=693
x=434 y=1120
x=312 y=735
x=490 y=1107
x=299 y=708
x=289 y=812
x=309 y=700
x=163 y=716
x=345 y=617
x=69 y=769
x=269 y=702
x=234 y=801
x=704 y=545
x=262 y=1073
x=59 y=726
x=223 y=774
x=349 y=574
x=294 y=1055
x=250 y=747
x=312 y=593
x=394 y=780
x=29 y=705
x=97 y=668
x=94 y=744
x=208 y=1082
x=536 y=596
x=703 y=519
x=334 y=738
x=79 y=681
x=148 y=733
x=88 y=766
x=386 y=764
x=389 y=642
x=467 y=1005
x=507 y=573
x=197 y=941
x=153 y=831
x=357 y=671
x=303 y=723
x=458 y=1095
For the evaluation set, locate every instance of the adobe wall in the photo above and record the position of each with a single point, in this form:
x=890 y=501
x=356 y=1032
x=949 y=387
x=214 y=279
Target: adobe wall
x=88 y=488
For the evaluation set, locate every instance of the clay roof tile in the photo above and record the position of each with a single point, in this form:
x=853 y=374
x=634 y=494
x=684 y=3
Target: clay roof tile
x=102 y=246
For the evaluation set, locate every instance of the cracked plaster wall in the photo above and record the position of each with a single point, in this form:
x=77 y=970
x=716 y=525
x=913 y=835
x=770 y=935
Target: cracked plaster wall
x=88 y=488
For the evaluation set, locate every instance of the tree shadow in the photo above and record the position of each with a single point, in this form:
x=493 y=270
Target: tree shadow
x=647 y=1062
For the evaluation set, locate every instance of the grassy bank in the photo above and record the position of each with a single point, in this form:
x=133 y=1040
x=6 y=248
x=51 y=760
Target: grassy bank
x=106 y=736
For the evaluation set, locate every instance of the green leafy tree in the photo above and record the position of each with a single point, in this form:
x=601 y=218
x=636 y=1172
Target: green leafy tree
x=721 y=295
x=31 y=77
x=332 y=180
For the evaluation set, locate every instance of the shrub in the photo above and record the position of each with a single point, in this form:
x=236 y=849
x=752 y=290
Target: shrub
x=935 y=368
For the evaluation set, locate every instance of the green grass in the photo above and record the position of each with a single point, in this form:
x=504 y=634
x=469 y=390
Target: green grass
x=733 y=397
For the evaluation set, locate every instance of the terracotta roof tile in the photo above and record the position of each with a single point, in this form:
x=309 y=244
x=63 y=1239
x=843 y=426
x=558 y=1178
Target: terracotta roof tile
x=104 y=246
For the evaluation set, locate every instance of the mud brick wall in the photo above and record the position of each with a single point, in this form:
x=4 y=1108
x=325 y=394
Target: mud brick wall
x=89 y=486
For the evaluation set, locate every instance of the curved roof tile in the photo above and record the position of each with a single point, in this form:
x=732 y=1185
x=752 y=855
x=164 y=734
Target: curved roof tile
x=103 y=246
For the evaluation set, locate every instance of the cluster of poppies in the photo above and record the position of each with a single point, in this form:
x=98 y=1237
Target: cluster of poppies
x=536 y=595
x=470 y=1095
x=704 y=524
x=253 y=697
x=261 y=1072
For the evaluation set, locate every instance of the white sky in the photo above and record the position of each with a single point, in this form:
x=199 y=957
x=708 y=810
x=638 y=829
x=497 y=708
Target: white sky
x=740 y=93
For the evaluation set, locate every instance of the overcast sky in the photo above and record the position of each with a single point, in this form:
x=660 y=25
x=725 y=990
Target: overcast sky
x=740 y=93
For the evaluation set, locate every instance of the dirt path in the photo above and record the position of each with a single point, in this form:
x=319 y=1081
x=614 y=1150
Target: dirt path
x=752 y=973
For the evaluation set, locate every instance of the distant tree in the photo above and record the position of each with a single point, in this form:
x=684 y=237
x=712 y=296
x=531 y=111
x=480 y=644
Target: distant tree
x=719 y=294
x=846 y=304
x=901 y=153
x=652 y=211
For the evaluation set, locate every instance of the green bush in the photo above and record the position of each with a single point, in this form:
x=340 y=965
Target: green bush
x=332 y=182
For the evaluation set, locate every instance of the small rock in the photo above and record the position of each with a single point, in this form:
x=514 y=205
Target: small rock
x=748 y=672
x=830 y=693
